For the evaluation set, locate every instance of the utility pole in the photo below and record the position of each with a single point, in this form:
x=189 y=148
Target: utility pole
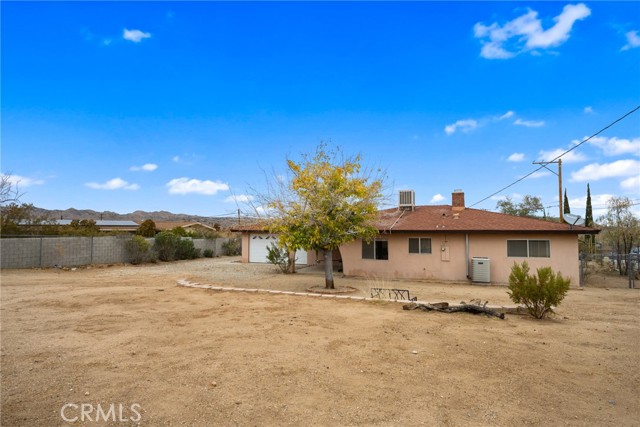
x=559 y=174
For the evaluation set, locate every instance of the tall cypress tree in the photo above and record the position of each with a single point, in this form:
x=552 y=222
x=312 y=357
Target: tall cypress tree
x=566 y=209
x=588 y=220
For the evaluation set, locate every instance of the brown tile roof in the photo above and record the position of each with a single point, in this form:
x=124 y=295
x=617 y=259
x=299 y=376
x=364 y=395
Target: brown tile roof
x=442 y=218
x=169 y=225
x=250 y=225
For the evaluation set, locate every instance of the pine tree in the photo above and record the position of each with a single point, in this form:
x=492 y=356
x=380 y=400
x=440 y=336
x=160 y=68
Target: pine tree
x=566 y=209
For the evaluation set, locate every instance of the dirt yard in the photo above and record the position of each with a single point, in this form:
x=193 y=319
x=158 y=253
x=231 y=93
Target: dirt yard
x=127 y=341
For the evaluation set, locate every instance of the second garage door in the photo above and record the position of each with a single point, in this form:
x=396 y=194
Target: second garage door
x=259 y=243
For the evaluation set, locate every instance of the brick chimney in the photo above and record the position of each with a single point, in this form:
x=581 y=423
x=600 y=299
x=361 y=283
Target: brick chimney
x=457 y=200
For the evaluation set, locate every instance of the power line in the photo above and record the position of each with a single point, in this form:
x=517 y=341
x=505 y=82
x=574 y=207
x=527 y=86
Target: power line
x=634 y=202
x=559 y=156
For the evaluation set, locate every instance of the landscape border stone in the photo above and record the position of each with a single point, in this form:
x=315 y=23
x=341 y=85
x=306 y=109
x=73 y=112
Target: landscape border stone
x=188 y=284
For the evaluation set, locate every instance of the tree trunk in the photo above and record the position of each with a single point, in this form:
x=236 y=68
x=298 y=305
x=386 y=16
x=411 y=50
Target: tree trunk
x=328 y=269
x=292 y=261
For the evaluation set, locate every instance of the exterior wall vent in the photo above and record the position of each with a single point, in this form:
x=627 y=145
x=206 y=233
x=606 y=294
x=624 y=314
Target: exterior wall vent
x=407 y=200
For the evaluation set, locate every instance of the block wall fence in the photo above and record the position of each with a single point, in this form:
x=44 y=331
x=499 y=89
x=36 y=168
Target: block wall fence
x=30 y=252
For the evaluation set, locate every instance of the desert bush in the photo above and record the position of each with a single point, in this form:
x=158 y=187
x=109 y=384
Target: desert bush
x=207 y=253
x=138 y=250
x=166 y=245
x=279 y=257
x=232 y=247
x=186 y=250
x=179 y=231
x=540 y=292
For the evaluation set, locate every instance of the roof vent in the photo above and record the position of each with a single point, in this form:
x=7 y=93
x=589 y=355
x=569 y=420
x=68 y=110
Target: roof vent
x=407 y=200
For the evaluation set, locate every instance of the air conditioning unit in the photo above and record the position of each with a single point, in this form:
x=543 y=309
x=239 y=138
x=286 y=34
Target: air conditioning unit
x=407 y=200
x=480 y=270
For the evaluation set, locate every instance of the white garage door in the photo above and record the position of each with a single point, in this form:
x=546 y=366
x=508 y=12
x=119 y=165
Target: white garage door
x=258 y=244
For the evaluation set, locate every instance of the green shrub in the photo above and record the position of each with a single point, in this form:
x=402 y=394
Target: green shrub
x=166 y=245
x=179 y=231
x=279 y=257
x=186 y=250
x=138 y=250
x=540 y=292
x=232 y=247
x=207 y=253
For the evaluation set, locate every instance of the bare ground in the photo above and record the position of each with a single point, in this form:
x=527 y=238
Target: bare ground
x=128 y=335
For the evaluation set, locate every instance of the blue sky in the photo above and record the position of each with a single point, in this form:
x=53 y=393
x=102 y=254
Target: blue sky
x=183 y=107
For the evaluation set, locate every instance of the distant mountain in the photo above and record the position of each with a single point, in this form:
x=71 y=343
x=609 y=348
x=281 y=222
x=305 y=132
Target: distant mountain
x=137 y=216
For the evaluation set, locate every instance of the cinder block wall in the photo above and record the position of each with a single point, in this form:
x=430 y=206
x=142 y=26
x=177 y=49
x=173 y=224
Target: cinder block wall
x=20 y=253
x=30 y=252
x=110 y=249
x=203 y=244
x=66 y=251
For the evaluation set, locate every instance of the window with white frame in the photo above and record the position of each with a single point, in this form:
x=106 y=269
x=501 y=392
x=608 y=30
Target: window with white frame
x=528 y=248
x=419 y=245
x=378 y=249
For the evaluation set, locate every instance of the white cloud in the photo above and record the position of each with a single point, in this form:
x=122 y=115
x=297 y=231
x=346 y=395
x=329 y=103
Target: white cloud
x=570 y=157
x=616 y=146
x=633 y=40
x=437 y=198
x=240 y=198
x=23 y=181
x=506 y=115
x=113 y=184
x=175 y=159
x=147 y=167
x=525 y=33
x=468 y=125
x=135 y=36
x=516 y=157
x=588 y=110
x=463 y=125
x=598 y=204
x=559 y=33
x=529 y=123
x=196 y=186
x=632 y=184
x=539 y=174
x=597 y=171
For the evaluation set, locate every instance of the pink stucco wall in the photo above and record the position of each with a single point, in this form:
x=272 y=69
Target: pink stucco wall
x=447 y=261
x=245 y=247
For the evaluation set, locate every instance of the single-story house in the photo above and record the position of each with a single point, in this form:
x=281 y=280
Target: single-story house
x=197 y=227
x=450 y=243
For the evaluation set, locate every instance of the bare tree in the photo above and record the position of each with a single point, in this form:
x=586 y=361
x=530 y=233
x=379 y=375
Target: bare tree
x=621 y=229
x=9 y=191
